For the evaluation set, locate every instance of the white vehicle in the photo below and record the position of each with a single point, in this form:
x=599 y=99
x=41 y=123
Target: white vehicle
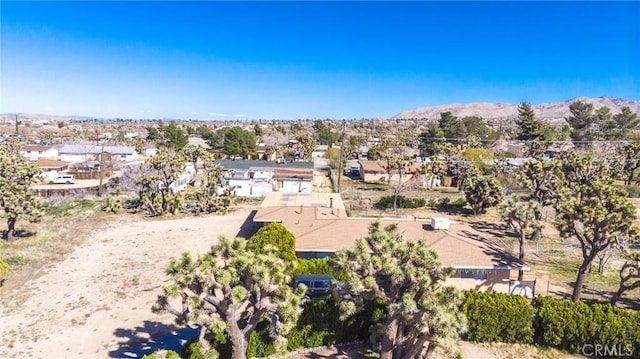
x=65 y=179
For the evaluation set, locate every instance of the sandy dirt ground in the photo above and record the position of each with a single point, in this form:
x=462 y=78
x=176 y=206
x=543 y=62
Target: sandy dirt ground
x=96 y=303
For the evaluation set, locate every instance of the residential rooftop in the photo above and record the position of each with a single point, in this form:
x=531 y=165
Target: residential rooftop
x=263 y=165
x=324 y=229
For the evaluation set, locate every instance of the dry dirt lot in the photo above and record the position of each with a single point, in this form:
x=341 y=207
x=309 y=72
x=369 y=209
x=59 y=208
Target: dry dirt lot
x=97 y=301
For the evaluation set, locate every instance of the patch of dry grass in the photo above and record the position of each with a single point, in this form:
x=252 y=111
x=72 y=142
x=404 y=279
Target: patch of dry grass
x=51 y=239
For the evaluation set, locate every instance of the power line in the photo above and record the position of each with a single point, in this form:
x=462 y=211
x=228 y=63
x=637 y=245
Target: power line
x=451 y=139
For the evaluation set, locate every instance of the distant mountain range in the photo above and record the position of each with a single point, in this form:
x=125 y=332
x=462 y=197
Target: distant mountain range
x=487 y=110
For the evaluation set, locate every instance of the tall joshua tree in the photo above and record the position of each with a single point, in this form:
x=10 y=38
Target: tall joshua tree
x=422 y=313
x=230 y=289
x=17 y=174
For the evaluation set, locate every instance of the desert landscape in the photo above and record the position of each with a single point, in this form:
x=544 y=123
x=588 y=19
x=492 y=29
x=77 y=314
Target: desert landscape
x=96 y=302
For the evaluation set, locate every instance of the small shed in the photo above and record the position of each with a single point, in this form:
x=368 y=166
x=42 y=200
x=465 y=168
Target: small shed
x=438 y=223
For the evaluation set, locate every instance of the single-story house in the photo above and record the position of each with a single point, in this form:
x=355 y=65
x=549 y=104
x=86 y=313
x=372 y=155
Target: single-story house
x=51 y=168
x=264 y=153
x=372 y=171
x=256 y=178
x=84 y=153
x=293 y=180
x=34 y=152
x=321 y=229
x=376 y=171
x=199 y=141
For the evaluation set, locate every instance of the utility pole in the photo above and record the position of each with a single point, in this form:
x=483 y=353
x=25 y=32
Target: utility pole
x=344 y=122
x=16 y=124
x=101 y=169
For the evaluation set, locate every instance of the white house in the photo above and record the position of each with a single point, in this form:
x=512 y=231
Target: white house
x=248 y=183
x=293 y=180
x=85 y=153
x=51 y=168
x=319 y=151
x=33 y=152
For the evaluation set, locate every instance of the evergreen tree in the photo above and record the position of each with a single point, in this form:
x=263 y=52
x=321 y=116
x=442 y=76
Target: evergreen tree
x=532 y=131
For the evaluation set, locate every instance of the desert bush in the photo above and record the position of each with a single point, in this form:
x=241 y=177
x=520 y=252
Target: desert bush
x=260 y=342
x=320 y=325
x=432 y=203
x=402 y=202
x=317 y=266
x=571 y=326
x=632 y=190
x=162 y=354
x=498 y=317
x=4 y=270
x=277 y=235
x=459 y=203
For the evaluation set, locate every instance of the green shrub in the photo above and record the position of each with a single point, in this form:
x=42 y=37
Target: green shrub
x=498 y=317
x=432 y=203
x=444 y=202
x=632 y=190
x=459 y=203
x=571 y=325
x=277 y=235
x=4 y=269
x=402 y=202
x=320 y=325
x=317 y=266
x=162 y=354
x=260 y=343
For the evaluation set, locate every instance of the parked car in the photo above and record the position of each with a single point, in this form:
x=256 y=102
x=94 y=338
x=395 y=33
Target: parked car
x=318 y=285
x=65 y=179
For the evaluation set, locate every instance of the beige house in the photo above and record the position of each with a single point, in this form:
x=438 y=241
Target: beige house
x=322 y=228
x=373 y=171
x=376 y=171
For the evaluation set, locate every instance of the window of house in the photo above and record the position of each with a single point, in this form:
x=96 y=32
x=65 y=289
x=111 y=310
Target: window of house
x=473 y=273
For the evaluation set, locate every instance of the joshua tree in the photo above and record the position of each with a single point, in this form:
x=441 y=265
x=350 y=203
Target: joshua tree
x=422 y=313
x=17 y=174
x=521 y=216
x=230 y=289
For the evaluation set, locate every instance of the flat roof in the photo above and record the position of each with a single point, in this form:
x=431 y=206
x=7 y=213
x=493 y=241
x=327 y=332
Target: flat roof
x=260 y=164
x=313 y=199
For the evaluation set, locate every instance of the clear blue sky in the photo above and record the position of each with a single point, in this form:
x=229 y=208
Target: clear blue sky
x=290 y=60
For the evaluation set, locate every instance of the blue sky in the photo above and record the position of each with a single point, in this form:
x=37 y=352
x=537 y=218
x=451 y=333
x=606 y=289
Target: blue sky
x=291 y=60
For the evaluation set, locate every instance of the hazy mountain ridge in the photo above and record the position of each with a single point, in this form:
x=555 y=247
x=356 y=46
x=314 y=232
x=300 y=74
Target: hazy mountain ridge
x=488 y=110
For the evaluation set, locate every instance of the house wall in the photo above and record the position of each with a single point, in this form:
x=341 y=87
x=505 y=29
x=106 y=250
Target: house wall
x=373 y=177
x=75 y=158
x=242 y=186
x=294 y=186
x=125 y=157
x=261 y=188
x=51 y=153
x=497 y=281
